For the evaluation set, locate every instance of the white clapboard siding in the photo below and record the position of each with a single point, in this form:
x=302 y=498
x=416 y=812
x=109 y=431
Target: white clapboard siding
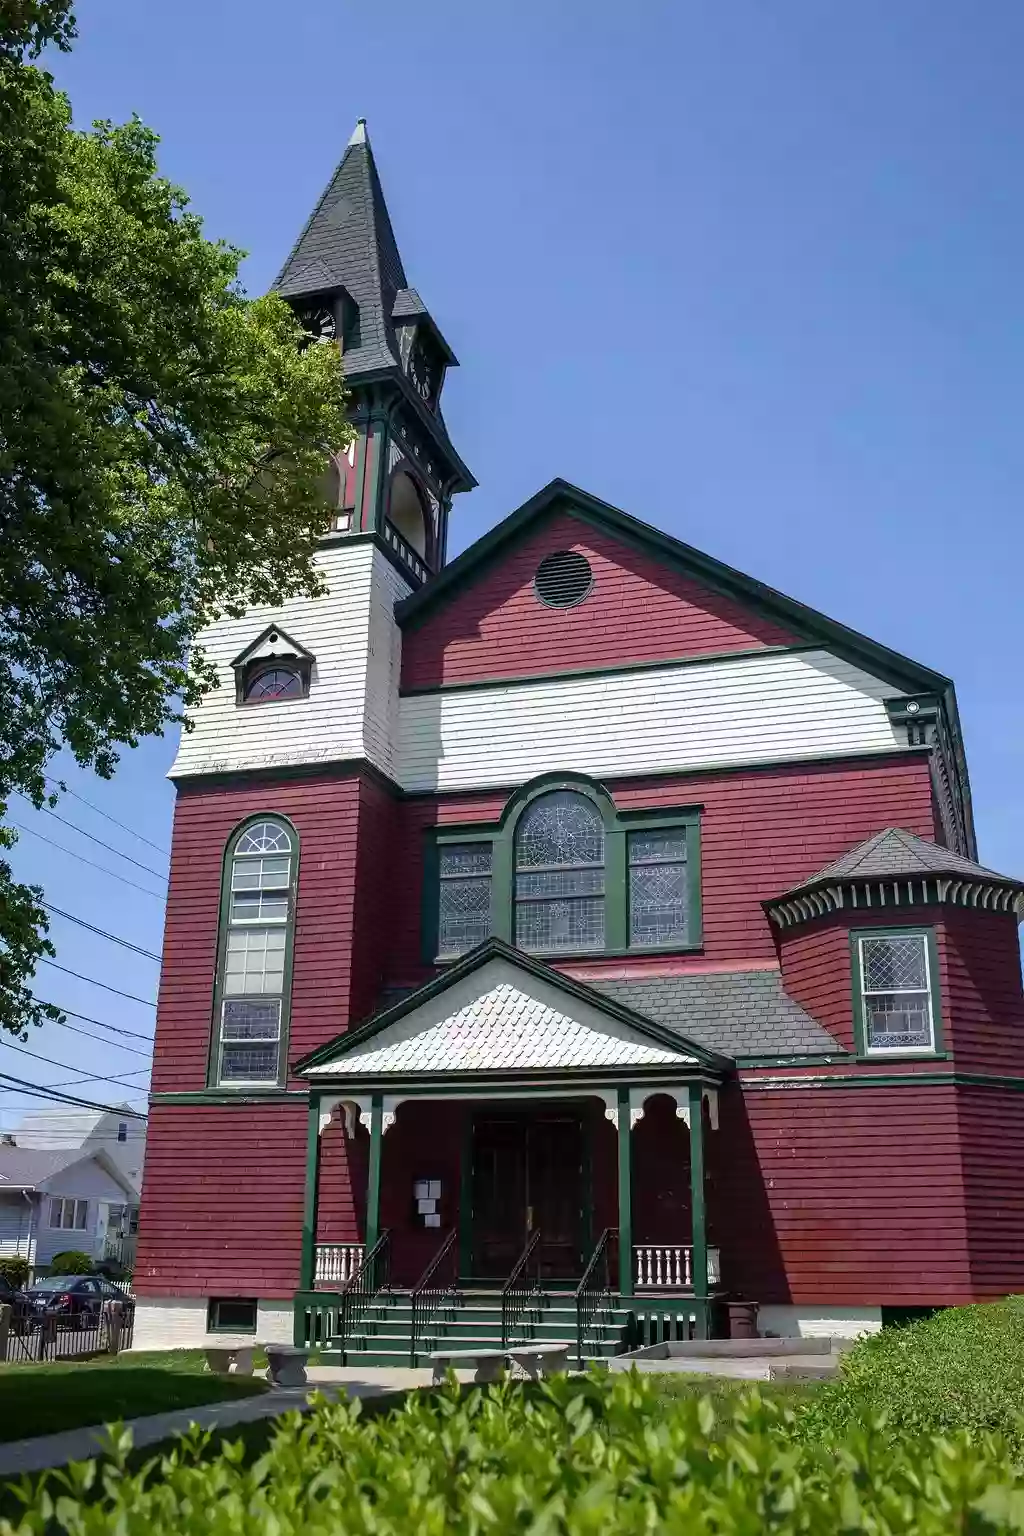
x=16 y=1220
x=350 y=711
x=783 y=705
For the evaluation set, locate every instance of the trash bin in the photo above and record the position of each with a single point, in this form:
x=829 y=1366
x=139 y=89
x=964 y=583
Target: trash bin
x=742 y=1319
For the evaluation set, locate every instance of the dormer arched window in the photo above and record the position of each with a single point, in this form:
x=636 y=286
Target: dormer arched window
x=272 y=669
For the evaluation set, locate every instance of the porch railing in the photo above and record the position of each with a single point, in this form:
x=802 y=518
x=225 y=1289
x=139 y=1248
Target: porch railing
x=335 y=1264
x=520 y=1290
x=594 y=1292
x=371 y=1279
x=669 y=1267
x=437 y=1284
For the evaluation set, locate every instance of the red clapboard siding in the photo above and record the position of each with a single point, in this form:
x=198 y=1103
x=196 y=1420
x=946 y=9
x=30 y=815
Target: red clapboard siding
x=992 y=1137
x=638 y=610
x=816 y=973
x=341 y=1185
x=982 y=995
x=222 y=1200
x=842 y=1196
x=762 y=831
x=328 y=814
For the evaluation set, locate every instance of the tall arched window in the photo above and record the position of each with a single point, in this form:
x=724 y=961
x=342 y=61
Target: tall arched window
x=258 y=910
x=559 y=874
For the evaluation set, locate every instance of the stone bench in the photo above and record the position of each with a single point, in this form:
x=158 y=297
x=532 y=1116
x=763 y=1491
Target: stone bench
x=540 y=1359
x=228 y=1359
x=488 y=1364
x=287 y=1365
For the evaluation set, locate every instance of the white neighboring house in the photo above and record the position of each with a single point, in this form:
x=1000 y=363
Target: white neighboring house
x=115 y=1132
x=56 y=1200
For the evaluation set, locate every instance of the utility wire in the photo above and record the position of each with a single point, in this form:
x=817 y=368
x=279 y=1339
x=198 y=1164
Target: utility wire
x=131 y=1033
x=94 y=983
x=156 y=895
x=97 y=1077
x=68 y=1067
x=148 y=953
x=65 y=789
x=67 y=1098
x=93 y=839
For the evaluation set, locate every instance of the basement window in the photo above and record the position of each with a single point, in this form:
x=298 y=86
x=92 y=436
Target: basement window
x=230 y=1314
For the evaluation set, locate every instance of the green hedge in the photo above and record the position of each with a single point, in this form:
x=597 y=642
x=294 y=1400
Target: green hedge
x=579 y=1456
x=71 y=1262
x=14 y=1270
x=962 y=1369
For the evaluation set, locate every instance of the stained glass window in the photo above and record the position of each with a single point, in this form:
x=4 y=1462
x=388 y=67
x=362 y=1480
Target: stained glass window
x=252 y=982
x=897 y=992
x=276 y=682
x=657 y=887
x=559 y=862
x=464 y=918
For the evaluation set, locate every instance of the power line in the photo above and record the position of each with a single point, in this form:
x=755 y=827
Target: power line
x=156 y=895
x=148 y=953
x=94 y=983
x=94 y=839
x=133 y=1034
x=105 y=814
x=66 y=1098
x=68 y=1067
x=96 y=1077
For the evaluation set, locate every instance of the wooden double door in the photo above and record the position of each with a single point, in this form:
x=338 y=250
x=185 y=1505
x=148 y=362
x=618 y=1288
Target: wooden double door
x=528 y=1175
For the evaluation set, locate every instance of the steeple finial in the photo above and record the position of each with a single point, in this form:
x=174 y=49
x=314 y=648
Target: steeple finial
x=359 y=133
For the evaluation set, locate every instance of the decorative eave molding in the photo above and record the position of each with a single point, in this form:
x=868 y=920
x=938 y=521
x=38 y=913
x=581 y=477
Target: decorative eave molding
x=863 y=896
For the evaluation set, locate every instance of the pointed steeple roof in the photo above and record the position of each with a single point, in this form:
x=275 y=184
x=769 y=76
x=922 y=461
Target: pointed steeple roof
x=349 y=243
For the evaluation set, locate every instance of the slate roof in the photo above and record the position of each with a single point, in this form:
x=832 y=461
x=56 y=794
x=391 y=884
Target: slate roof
x=896 y=854
x=738 y=1013
x=26 y=1169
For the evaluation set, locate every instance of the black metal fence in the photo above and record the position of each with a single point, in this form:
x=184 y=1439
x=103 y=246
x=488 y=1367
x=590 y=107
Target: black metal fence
x=53 y=1335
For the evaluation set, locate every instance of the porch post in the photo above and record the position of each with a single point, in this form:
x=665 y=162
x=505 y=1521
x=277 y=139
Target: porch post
x=373 y=1182
x=307 y=1267
x=625 y=1195
x=699 y=1237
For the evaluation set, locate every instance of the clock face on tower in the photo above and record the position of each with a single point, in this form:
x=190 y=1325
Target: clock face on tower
x=422 y=373
x=319 y=322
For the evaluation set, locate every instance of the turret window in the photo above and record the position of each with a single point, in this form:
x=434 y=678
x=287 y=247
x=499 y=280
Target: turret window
x=254 y=978
x=895 y=991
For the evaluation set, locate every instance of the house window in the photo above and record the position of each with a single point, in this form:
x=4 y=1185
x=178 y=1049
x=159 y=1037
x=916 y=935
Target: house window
x=69 y=1215
x=464 y=911
x=565 y=872
x=122 y=1130
x=230 y=1314
x=253 y=984
x=280 y=680
x=559 y=874
x=895 y=986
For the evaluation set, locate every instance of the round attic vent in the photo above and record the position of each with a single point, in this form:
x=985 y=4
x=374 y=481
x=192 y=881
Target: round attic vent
x=563 y=579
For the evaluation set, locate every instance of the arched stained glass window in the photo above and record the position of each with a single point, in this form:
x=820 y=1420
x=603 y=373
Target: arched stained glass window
x=252 y=986
x=281 y=681
x=560 y=874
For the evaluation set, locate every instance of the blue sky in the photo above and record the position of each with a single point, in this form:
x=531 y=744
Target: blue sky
x=751 y=272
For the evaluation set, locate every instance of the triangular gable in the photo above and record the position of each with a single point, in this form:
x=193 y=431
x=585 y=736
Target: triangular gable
x=272 y=642
x=498 y=1011
x=805 y=625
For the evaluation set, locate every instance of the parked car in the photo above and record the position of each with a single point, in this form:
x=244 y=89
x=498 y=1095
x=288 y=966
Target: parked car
x=78 y=1300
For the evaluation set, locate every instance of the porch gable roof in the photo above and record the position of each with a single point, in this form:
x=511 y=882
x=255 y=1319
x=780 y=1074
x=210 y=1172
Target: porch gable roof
x=498 y=1010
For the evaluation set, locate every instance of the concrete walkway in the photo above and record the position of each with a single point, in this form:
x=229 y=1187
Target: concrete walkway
x=17 y=1456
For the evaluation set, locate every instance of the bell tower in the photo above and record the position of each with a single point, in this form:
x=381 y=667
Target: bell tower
x=345 y=280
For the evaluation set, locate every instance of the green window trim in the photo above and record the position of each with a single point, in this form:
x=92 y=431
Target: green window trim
x=618 y=825
x=864 y=1049
x=214 y=1324
x=214 y=1079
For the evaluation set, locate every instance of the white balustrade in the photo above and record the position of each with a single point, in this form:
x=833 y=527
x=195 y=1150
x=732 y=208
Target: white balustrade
x=336 y=1263
x=669 y=1266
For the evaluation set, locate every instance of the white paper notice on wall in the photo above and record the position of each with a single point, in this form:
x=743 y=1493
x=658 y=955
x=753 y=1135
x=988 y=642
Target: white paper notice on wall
x=434 y=1189
x=432 y=1221
x=426 y=1207
x=421 y=1190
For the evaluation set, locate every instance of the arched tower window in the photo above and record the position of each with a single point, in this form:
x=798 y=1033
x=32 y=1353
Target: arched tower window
x=405 y=512
x=257 y=923
x=559 y=874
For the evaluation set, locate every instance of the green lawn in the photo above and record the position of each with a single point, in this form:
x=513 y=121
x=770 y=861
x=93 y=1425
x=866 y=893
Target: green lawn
x=722 y=1389
x=69 y=1394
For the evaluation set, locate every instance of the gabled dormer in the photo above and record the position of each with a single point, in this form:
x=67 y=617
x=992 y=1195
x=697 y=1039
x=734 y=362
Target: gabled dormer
x=272 y=669
x=346 y=280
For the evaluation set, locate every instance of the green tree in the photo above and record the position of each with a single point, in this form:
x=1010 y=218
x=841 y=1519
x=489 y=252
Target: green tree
x=163 y=441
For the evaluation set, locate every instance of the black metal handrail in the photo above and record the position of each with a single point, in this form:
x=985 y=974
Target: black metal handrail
x=595 y=1289
x=360 y=1293
x=432 y=1290
x=518 y=1292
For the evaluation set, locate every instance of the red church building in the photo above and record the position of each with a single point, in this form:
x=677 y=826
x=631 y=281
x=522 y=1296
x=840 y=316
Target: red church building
x=571 y=936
